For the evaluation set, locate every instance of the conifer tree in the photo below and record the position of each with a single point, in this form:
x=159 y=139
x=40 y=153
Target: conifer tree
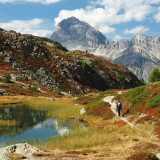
x=155 y=75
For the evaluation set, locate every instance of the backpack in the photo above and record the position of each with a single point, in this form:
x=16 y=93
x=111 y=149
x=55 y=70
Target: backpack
x=119 y=105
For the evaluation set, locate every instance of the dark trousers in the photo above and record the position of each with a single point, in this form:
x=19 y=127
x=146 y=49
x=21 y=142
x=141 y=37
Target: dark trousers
x=119 y=110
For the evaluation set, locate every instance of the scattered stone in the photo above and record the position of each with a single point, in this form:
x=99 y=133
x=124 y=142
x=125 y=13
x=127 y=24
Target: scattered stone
x=82 y=111
x=135 y=139
x=72 y=117
x=83 y=120
x=2 y=92
x=52 y=99
x=154 y=123
x=142 y=115
x=127 y=137
x=120 y=92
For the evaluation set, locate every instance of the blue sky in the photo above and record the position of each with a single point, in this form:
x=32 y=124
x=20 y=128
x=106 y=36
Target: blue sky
x=117 y=19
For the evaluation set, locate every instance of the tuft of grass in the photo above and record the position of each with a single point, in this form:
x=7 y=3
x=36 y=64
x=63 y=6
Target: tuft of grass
x=15 y=156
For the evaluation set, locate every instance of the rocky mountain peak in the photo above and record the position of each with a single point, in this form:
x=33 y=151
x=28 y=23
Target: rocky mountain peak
x=69 y=21
x=145 y=40
x=76 y=34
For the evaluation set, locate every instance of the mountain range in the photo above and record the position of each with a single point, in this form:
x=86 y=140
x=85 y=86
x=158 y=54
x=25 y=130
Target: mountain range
x=140 y=54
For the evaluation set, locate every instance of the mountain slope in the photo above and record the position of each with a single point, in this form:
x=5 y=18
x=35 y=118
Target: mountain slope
x=48 y=64
x=140 y=55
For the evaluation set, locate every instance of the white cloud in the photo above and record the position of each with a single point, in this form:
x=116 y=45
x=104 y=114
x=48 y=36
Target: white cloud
x=31 y=1
x=27 y=27
x=117 y=38
x=107 y=29
x=102 y=13
x=137 y=30
x=157 y=15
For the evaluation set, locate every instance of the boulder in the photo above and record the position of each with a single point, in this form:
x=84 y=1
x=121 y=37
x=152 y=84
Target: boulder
x=2 y=92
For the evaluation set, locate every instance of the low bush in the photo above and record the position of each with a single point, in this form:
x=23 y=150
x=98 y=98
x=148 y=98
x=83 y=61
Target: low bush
x=26 y=78
x=143 y=156
x=154 y=102
x=7 y=79
x=136 y=95
x=34 y=86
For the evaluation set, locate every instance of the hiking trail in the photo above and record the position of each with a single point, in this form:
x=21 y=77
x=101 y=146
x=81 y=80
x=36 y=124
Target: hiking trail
x=113 y=108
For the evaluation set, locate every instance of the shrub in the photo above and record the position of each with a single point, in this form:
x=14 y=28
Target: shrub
x=136 y=95
x=7 y=79
x=154 y=102
x=83 y=65
x=143 y=156
x=34 y=86
x=26 y=78
x=155 y=75
x=59 y=91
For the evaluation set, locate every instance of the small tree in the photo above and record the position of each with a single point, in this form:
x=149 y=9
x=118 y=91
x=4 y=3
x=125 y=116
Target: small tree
x=59 y=91
x=34 y=86
x=26 y=78
x=83 y=65
x=155 y=75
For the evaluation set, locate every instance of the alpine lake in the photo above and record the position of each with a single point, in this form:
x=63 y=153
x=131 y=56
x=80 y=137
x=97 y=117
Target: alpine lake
x=25 y=124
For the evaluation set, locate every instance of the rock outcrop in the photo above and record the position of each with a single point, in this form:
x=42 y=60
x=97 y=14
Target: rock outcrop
x=1 y=29
x=140 y=55
x=22 y=148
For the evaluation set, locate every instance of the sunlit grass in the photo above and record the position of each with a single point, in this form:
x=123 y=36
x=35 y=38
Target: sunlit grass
x=7 y=123
x=8 y=100
x=60 y=108
x=81 y=138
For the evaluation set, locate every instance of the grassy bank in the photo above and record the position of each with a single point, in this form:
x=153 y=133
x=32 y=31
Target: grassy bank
x=62 y=108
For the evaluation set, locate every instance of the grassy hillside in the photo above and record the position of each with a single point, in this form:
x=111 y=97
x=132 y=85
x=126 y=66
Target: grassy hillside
x=144 y=103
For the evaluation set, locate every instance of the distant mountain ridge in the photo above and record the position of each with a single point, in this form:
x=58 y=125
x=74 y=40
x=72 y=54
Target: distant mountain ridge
x=140 y=55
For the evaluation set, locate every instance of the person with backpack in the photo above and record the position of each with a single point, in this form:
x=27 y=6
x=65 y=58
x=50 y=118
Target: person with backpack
x=119 y=107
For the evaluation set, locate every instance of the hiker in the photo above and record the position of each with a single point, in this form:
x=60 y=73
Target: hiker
x=119 y=106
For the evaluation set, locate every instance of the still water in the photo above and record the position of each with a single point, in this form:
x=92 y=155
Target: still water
x=31 y=124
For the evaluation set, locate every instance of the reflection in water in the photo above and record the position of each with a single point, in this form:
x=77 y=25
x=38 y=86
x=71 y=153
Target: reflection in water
x=31 y=124
x=25 y=118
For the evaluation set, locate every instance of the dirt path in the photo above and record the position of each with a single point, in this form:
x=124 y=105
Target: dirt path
x=113 y=108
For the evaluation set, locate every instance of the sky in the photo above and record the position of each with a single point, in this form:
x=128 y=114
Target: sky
x=116 y=19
